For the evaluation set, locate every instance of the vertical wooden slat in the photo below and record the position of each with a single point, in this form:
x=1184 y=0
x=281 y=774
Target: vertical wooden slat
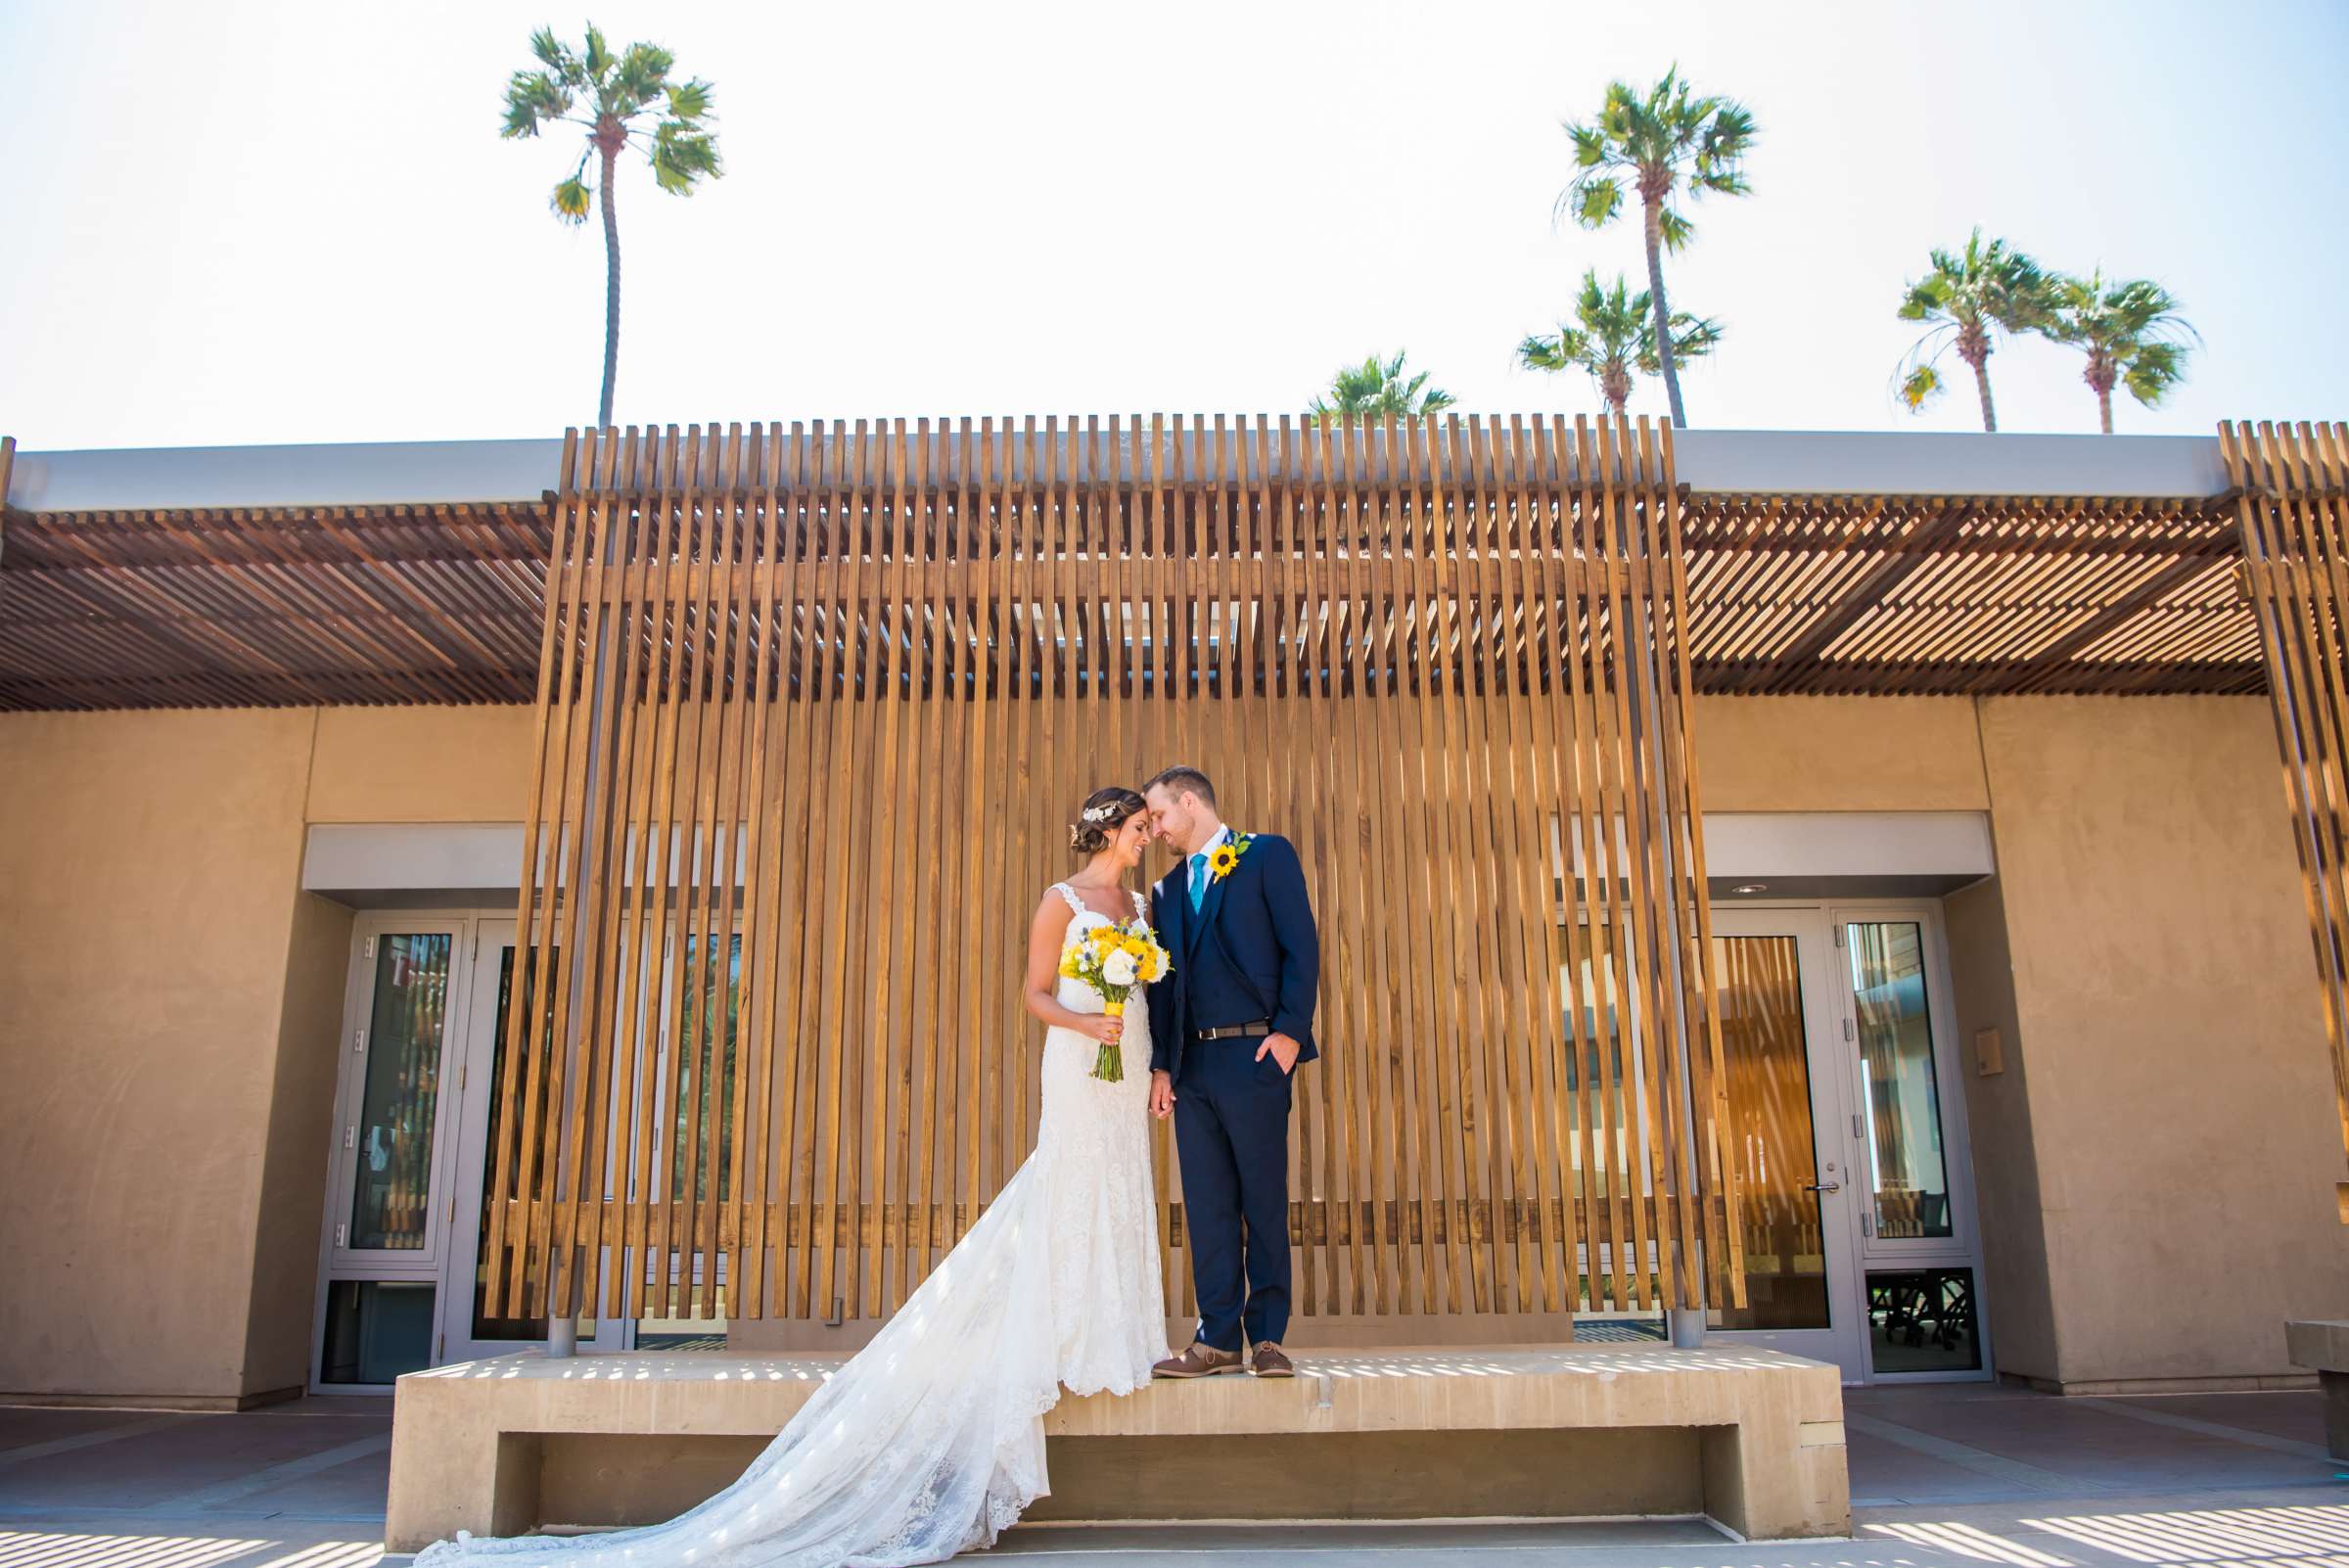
x=1604 y=993
x=793 y=668
x=567 y=1045
x=512 y=1200
x=2295 y=541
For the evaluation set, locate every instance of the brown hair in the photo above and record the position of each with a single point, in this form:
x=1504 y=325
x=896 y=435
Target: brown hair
x=1180 y=779
x=1104 y=812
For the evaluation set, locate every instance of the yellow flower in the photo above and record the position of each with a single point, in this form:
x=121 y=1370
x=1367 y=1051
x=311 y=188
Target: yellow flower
x=1227 y=855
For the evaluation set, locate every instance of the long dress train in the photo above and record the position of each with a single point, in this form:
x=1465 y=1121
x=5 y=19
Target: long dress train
x=930 y=1440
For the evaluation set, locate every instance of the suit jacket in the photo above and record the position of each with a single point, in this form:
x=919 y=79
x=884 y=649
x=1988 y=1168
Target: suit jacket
x=1249 y=952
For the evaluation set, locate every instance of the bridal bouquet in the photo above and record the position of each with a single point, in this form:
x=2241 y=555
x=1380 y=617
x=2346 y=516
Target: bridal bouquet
x=1113 y=959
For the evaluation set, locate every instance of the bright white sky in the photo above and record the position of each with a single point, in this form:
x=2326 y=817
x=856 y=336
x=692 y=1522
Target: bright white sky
x=292 y=220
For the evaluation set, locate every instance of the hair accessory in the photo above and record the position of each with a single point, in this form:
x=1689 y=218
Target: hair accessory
x=1101 y=813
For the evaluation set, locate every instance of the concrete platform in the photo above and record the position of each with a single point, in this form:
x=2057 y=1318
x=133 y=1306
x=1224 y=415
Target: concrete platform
x=1945 y=1475
x=1749 y=1439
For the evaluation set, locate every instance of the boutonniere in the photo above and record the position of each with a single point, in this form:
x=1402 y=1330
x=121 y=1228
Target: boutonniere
x=1227 y=855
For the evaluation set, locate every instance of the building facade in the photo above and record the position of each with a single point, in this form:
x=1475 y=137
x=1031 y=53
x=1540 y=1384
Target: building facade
x=2019 y=1068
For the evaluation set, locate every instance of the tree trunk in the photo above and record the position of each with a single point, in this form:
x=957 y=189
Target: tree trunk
x=1990 y=416
x=603 y=408
x=1615 y=389
x=1653 y=206
x=2100 y=373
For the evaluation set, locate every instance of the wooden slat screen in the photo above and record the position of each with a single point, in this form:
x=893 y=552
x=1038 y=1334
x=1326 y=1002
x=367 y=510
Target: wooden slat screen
x=2290 y=486
x=827 y=697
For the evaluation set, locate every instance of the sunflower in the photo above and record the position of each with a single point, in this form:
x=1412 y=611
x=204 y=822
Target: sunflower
x=1225 y=855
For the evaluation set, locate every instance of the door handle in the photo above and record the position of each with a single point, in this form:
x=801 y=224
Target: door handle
x=1824 y=1186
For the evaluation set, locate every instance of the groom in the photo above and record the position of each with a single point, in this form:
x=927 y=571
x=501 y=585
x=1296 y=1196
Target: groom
x=1224 y=1037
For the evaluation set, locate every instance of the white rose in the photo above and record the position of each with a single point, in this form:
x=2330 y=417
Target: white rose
x=1119 y=969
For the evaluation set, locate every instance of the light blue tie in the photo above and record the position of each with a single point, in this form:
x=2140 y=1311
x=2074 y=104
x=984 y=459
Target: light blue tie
x=1198 y=879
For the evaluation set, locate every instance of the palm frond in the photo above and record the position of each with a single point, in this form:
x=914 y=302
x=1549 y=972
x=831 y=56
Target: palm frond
x=532 y=97
x=641 y=77
x=2154 y=370
x=681 y=155
x=689 y=100
x=1566 y=349
x=1675 y=229
x=1592 y=201
x=1924 y=299
x=1920 y=387
x=1695 y=336
x=571 y=199
x=1376 y=389
x=555 y=56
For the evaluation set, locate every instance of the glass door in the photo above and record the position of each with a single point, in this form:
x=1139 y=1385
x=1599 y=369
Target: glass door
x=1796 y=1193
x=386 y=1212
x=1917 y=1230
x=469 y=1328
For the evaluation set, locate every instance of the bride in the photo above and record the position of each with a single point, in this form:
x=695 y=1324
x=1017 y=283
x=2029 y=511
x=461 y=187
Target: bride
x=932 y=1439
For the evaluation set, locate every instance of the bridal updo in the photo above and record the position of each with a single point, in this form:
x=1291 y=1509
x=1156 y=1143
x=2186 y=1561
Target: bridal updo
x=1104 y=812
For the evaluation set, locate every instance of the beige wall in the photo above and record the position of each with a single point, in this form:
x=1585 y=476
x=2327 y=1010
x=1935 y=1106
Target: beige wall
x=2167 y=1025
x=2162 y=1134
x=2019 y=1293
x=1838 y=754
x=422 y=764
x=158 y=1096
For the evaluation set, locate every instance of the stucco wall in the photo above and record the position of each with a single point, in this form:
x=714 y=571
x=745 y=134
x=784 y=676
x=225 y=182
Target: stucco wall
x=2166 y=1009
x=422 y=764
x=1838 y=754
x=150 y=863
x=2154 y=1166
x=2017 y=1292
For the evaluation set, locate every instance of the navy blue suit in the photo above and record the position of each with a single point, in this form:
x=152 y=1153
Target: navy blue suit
x=1250 y=951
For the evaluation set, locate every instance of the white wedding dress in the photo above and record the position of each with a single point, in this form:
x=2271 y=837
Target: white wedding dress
x=930 y=1440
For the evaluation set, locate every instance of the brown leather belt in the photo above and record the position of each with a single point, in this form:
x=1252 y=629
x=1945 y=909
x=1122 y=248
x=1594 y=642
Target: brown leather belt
x=1262 y=1026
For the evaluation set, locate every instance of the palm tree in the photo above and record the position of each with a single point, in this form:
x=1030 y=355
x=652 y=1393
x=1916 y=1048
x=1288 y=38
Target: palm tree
x=2132 y=333
x=614 y=96
x=1376 y=389
x=1617 y=336
x=1661 y=142
x=1968 y=297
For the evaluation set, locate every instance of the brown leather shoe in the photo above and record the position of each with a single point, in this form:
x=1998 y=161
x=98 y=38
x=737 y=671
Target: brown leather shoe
x=1199 y=1359
x=1272 y=1361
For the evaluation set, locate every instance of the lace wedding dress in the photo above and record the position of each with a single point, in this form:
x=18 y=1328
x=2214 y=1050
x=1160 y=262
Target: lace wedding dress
x=930 y=1440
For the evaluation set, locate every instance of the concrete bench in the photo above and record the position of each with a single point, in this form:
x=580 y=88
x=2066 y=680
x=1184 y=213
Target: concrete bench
x=1749 y=1438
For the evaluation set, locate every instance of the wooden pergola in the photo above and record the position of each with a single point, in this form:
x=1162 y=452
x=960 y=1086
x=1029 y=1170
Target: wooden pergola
x=1788 y=593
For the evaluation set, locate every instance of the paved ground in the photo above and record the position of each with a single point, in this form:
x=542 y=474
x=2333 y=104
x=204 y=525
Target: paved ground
x=1948 y=1475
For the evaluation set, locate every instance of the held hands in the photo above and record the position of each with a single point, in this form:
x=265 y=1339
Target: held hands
x=1284 y=1051
x=1161 y=1093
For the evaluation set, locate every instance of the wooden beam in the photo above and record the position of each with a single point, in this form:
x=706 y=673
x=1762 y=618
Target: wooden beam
x=1865 y=596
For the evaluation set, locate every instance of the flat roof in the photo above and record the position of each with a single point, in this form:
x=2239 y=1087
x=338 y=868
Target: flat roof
x=1710 y=461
